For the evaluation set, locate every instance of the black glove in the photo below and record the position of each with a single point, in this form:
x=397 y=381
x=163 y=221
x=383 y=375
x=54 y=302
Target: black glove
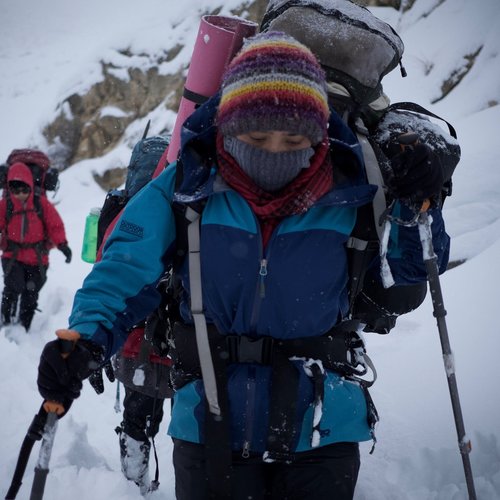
x=64 y=248
x=418 y=174
x=95 y=378
x=60 y=379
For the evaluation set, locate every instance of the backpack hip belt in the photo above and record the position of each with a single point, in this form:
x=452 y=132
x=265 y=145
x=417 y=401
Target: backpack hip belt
x=340 y=350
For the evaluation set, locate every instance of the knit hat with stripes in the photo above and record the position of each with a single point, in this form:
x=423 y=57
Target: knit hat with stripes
x=274 y=83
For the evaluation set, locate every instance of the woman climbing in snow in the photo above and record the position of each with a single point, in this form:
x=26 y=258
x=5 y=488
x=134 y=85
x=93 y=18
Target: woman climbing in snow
x=268 y=399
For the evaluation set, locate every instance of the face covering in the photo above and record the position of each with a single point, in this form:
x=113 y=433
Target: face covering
x=270 y=171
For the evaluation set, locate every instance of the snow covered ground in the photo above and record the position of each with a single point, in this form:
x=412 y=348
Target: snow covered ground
x=416 y=457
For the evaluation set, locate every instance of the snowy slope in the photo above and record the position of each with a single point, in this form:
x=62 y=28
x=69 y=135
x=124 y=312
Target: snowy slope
x=417 y=456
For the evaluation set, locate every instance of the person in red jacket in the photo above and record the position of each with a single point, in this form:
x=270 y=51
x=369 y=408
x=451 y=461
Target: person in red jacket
x=30 y=227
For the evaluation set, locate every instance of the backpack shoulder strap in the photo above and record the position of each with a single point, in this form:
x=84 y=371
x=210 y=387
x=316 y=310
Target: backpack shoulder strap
x=38 y=209
x=373 y=173
x=37 y=202
x=9 y=210
x=363 y=243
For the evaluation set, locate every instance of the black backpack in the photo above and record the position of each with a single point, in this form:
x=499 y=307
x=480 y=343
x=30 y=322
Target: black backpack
x=356 y=50
x=143 y=163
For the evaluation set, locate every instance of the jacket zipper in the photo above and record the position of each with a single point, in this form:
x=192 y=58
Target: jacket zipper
x=24 y=218
x=260 y=288
x=262 y=274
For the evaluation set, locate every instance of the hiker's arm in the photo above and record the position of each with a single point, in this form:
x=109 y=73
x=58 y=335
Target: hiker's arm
x=417 y=184
x=120 y=291
x=378 y=307
x=53 y=223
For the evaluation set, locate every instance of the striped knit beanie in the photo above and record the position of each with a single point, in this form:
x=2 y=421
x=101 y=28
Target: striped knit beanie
x=274 y=83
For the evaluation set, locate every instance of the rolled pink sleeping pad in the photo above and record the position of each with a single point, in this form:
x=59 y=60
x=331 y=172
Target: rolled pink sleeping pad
x=219 y=39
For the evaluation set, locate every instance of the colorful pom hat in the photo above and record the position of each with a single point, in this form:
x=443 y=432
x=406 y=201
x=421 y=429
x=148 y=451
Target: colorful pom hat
x=274 y=83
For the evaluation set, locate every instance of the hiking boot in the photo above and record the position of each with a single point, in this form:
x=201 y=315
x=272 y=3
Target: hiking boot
x=25 y=318
x=134 y=456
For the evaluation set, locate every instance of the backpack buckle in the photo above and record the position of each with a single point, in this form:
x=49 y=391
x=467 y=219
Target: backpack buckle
x=244 y=349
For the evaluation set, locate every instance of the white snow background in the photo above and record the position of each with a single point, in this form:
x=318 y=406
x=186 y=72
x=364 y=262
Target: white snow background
x=51 y=49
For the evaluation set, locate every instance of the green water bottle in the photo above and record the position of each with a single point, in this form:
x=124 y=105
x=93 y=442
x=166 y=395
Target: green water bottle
x=89 y=246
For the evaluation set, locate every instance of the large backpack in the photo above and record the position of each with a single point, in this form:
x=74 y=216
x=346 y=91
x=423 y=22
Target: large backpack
x=45 y=177
x=146 y=156
x=356 y=50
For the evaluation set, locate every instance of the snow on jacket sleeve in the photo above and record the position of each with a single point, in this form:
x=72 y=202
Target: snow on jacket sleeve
x=120 y=291
x=53 y=223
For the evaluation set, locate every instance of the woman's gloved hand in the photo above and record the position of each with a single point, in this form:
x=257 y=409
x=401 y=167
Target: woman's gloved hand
x=418 y=174
x=63 y=365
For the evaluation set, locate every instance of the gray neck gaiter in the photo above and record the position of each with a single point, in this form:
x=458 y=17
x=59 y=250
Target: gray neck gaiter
x=270 y=171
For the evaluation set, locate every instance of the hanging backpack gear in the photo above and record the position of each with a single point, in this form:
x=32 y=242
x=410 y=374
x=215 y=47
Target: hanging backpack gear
x=356 y=50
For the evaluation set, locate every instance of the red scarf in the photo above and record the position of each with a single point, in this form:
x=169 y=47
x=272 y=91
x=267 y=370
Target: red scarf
x=295 y=198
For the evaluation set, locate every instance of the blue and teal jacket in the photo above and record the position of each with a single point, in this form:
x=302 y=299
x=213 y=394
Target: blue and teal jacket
x=293 y=288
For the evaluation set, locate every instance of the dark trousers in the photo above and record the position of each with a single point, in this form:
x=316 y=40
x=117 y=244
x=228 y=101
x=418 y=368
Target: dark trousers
x=326 y=473
x=23 y=282
x=142 y=415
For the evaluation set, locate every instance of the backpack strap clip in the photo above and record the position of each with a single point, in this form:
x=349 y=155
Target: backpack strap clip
x=243 y=349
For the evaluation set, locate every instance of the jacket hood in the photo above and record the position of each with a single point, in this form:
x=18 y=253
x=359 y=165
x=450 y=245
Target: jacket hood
x=20 y=172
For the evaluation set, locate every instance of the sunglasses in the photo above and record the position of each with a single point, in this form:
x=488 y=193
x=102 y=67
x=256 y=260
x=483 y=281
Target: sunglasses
x=19 y=189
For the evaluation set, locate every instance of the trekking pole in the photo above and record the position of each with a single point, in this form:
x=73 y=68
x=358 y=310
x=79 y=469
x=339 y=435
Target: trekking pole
x=42 y=466
x=35 y=432
x=430 y=260
x=117 y=398
x=42 y=427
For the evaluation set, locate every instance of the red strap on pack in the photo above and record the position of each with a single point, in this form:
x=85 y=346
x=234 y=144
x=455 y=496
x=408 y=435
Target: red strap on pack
x=161 y=164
